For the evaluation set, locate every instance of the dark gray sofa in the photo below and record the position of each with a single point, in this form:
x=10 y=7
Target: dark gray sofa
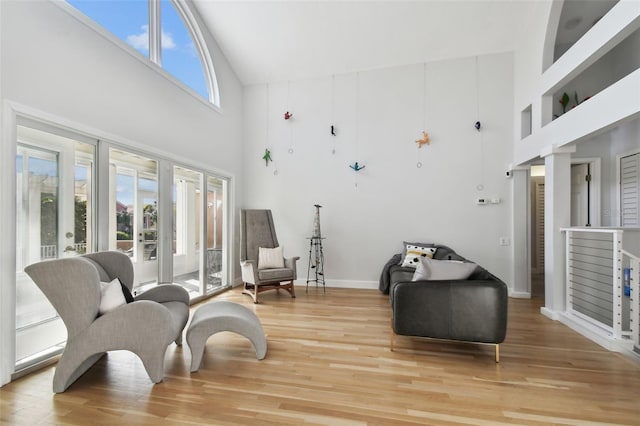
x=471 y=310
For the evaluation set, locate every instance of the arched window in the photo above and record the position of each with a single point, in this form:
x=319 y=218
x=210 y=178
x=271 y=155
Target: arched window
x=165 y=32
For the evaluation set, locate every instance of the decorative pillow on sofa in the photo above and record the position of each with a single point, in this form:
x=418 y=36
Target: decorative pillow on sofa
x=406 y=243
x=440 y=270
x=270 y=258
x=111 y=296
x=415 y=253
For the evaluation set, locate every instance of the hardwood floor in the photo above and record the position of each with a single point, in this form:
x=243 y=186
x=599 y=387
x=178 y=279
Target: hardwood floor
x=328 y=362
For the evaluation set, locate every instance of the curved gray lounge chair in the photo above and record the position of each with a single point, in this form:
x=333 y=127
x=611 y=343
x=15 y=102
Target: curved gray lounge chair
x=145 y=327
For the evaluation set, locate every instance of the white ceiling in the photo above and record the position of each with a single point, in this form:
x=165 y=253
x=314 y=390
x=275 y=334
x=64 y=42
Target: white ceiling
x=269 y=41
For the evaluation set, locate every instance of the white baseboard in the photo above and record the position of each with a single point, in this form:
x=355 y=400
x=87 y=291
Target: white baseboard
x=519 y=294
x=371 y=285
x=596 y=335
x=549 y=313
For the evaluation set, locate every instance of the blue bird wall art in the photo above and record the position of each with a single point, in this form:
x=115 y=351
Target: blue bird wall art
x=357 y=167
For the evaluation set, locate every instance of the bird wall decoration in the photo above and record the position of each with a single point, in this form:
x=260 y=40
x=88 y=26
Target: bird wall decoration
x=424 y=140
x=287 y=115
x=477 y=125
x=357 y=167
x=333 y=130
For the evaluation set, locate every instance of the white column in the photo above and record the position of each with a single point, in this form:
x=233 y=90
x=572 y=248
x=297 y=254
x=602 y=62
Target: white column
x=105 y=220
x=8 y=241
x=521 y=271
x=165 y=222
x=557 y=215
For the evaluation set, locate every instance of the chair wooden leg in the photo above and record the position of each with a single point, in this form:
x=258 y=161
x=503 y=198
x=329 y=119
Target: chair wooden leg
x=293 y=290
x=497 y=353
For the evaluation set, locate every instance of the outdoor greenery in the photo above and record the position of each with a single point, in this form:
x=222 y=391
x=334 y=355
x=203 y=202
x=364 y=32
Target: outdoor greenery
x=125 y=228
x=80 y=226
x=48 y=219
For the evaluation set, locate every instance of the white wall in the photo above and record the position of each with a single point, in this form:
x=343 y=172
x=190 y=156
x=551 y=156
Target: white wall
x=394 y=200
x=605 y=109
x=622 y=140
x=55 y=64
x=608 y=109
x=56 y=67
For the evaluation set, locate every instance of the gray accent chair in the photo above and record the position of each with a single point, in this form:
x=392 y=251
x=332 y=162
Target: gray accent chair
x=145 y=327
x=257 y=230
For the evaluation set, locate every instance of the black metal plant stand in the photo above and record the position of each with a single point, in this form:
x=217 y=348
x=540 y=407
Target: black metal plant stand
x=316 y=256
x=316 y=262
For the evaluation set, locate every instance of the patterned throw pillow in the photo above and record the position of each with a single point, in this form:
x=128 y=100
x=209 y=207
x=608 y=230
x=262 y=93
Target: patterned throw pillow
x=414 y=253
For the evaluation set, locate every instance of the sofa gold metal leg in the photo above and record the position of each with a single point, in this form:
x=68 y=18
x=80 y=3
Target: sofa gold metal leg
x=392 y=335
x=497 y=353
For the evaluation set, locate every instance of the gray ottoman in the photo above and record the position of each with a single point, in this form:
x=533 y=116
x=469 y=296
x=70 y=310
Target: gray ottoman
x=223 y=316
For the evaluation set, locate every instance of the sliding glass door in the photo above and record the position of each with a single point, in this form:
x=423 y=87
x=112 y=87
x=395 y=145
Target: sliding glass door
x=216 y=235
x=133 y=183
x=56 y=210
x=53 y=220
x=187 y=230
x=199 y=241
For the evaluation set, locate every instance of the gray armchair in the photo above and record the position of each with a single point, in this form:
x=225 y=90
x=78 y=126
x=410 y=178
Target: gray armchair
x=257 y=230
x=145 y=327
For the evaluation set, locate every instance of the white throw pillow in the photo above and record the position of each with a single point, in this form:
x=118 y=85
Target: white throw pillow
x=441 y=270
x=270 y=258
x=111 y=296
x=414 y=253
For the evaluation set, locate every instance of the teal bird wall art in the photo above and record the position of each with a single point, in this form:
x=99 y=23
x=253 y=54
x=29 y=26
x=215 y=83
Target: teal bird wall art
x=357 y=167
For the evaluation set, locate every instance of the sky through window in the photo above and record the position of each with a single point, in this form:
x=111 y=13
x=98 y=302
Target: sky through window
x=129 y=21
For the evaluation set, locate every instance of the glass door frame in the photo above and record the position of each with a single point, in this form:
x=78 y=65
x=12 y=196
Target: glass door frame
x=165 y=211
x=14 y=114
x=51 y=140
x=142 y=266
x=226 y=230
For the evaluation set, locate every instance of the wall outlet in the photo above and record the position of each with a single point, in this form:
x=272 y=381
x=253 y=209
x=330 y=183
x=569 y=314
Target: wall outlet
x=504 y=241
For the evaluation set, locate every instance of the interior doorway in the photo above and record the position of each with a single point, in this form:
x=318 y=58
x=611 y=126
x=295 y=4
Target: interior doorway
x=585 y=192
x=537 y=231
x=585 y=210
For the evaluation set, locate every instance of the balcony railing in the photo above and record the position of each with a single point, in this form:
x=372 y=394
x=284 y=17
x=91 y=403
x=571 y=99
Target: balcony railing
x=596 y=297
x=51 y=251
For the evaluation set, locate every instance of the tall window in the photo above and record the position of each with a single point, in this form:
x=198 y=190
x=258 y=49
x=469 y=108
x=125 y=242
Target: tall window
x=54 y=204
x=163 y=31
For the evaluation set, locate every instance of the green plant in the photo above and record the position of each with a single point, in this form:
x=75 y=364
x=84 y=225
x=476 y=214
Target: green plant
x=121 y=235
x=564 y=101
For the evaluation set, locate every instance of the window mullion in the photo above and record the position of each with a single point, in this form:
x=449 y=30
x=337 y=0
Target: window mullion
x=155 y=32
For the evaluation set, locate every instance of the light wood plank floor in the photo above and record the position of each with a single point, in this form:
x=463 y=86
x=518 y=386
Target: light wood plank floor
x=329 y=363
